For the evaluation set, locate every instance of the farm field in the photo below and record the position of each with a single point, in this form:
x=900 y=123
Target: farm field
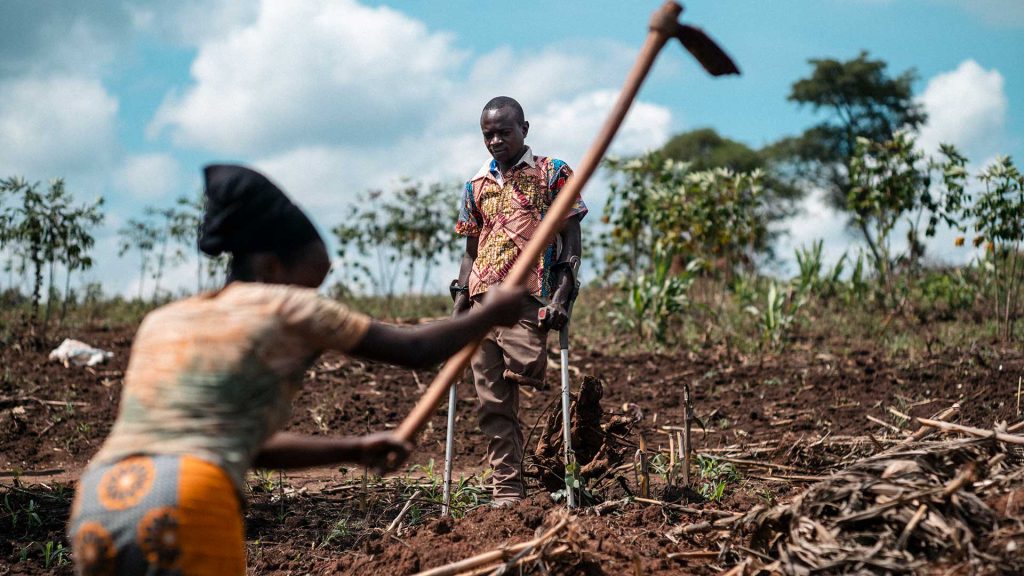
x=776 y=426
x=795 y=324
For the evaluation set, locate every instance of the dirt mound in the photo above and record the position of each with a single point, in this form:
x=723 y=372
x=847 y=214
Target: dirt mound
x=442 y=541
x=599 y=447
x=624 y=539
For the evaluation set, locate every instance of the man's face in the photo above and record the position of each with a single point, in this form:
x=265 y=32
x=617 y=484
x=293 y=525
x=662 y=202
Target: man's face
x=504 y=134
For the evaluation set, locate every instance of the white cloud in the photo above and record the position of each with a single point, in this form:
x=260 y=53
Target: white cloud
x=312 y=72
x=967 y=108
x=814 y=221
x=1000 y=13
x=56 y=126
x=150 y=176
x=569 y=127
x=326 y=178
x=325 y=173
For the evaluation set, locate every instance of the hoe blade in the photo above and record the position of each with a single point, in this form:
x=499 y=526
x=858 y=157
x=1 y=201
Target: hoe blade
x=706 y=51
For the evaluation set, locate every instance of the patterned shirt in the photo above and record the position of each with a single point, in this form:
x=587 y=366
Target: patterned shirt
x=504 y=210
x=213 y=376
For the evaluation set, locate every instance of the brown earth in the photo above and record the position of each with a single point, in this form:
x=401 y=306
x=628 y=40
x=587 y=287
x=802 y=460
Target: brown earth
x=771 y=409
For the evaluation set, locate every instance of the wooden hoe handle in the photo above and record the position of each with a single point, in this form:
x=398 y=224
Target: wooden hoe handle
x=664 y=24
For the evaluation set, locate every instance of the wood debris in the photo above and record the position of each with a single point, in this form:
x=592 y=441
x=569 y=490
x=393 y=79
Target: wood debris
x=924 y=504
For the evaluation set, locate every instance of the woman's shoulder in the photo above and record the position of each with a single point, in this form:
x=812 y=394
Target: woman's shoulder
x=238 y=292
x=292 y=304
x=236 y=297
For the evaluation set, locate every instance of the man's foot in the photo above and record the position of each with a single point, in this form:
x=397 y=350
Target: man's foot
x=505 y=501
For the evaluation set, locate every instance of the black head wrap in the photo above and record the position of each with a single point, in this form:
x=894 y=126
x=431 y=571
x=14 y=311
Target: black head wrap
x=245 y=213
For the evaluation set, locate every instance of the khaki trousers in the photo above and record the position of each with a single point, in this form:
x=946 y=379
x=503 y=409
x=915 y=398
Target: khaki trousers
x=507 y=358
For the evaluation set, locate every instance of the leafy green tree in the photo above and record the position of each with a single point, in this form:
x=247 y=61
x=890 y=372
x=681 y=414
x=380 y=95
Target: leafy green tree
x=890 y=184
x=659 y=208
x=29 y=230
x=886 y=184
x=7 y=213
x=705 y=149
x=68 y=238
x=405 y=232
x=669 y=226
x=171 y=240
x=175 y=232
x=996 y=214
x=858 y=99
x=46 y=228
x=184 y=231
x=369 y=258
x=140 y=236
x=77 y=230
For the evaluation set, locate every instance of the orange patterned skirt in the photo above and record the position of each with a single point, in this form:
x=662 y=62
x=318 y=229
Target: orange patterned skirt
x=160 y=514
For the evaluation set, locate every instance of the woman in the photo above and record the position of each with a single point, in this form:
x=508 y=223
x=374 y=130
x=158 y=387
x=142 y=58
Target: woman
x=210 y=383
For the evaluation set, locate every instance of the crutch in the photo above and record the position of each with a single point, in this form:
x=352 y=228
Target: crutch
x=571 y=471
x=449 y=450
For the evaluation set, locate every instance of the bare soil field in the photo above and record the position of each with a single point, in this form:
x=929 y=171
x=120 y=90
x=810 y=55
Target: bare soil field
x=772 y=427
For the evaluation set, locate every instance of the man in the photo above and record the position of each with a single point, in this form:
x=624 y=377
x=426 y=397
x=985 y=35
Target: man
x=502 y=207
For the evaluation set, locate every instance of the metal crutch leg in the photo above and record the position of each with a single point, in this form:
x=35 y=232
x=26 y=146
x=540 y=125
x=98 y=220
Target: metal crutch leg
x=449 y=451
x=570 y=457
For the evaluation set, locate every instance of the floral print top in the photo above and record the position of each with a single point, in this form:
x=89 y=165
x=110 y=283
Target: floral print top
x=504 y=210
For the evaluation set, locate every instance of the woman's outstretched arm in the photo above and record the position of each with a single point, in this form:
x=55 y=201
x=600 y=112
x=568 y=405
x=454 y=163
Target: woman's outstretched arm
x=287 y=450
x=429 y=344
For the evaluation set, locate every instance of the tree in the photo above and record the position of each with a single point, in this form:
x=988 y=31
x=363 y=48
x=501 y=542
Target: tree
x=139 y=235
x=173 y=232
x=68 y=237
x=669 y=226
x=28 y=231
x=78 y=239
x=185 y=224
x=172 y=235
x=7 y=212
x=859 y=99
x=46 y=228
x=658 y=208
x=705 y=149
x=402 y=232
x=996 y=215
x=886 y=185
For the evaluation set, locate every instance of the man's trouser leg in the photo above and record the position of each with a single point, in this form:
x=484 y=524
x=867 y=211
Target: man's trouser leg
x=508 y=357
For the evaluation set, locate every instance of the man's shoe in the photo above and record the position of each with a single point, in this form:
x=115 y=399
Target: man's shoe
x=505 y=501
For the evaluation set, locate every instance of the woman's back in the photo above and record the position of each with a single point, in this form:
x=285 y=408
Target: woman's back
x=214 y=375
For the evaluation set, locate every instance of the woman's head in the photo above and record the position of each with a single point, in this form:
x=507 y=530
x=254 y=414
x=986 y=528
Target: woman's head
x=269 y=238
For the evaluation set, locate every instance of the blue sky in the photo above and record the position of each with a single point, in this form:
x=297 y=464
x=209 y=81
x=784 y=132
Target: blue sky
x=330 y=97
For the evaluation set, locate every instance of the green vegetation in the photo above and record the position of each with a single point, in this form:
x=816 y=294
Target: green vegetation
x=858 y=99
x=467 y=493
x=714 y=476
x=43 y=229
x=33 y=520
x=678 y=258
x=405 y=232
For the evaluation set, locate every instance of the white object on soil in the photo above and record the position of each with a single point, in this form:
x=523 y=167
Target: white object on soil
x=79 y=353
